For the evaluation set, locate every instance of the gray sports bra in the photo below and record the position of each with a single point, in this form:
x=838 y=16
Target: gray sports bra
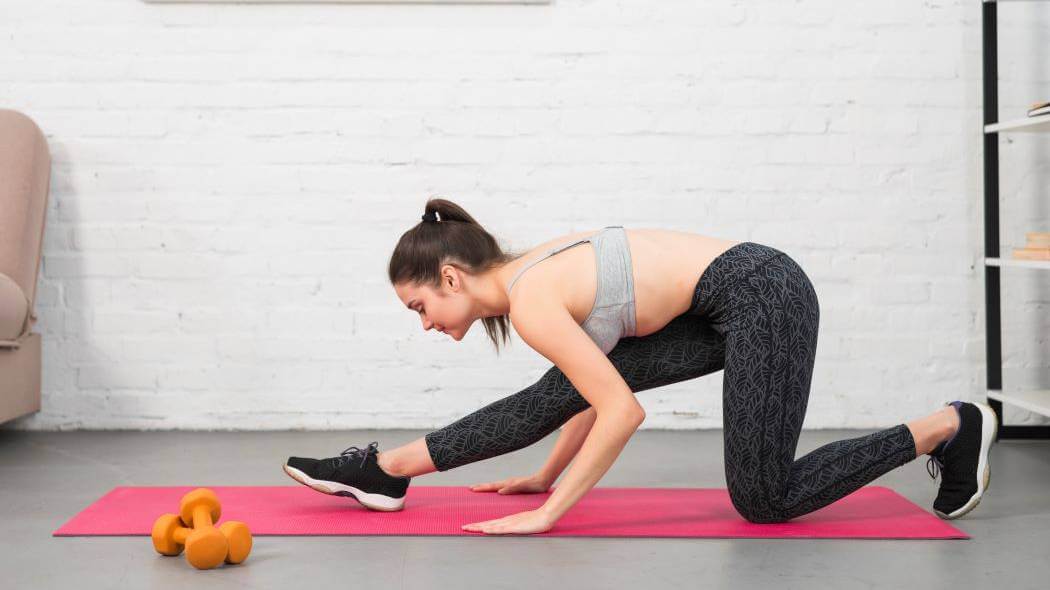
x=613 y=315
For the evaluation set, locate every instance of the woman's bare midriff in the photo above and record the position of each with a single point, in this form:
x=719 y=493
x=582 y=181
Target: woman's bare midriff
x=666 y=265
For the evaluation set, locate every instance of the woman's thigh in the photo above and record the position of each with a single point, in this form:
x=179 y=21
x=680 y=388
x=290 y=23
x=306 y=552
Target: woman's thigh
x=686 y=348
x=770 y=351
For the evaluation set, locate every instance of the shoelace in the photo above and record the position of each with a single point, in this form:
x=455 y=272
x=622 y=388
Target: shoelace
x=934 y=466
x=353 y=452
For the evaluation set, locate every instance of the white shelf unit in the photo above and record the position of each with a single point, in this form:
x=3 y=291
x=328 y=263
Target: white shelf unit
x=1033 y=400
x=1040 y=124
x=1044 y=264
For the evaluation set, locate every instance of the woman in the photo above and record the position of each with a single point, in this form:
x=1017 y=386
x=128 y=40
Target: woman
x=640 y=309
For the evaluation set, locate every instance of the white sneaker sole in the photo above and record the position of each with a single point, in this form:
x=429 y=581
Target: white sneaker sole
x=334 y=488
x=989 y=429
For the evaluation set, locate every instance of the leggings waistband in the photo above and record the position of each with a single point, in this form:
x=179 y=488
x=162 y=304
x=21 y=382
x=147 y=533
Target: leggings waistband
x=736 y=263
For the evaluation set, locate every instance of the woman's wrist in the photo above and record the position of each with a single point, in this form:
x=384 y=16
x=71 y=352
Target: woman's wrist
x=546 y=476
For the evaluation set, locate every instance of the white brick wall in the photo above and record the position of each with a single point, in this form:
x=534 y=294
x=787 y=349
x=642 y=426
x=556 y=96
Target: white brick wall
x=229 y=181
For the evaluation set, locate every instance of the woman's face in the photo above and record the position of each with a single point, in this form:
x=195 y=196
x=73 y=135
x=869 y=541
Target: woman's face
x=446 y=309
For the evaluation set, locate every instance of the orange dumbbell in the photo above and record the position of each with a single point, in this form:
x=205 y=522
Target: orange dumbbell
x=193 y=529
x=201 y=507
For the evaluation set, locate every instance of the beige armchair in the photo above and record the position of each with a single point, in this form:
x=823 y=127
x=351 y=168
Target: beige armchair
x=25 y=177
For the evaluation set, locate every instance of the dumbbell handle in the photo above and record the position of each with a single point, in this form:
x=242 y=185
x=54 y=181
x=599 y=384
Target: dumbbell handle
x=181 y=534
x=202 y=517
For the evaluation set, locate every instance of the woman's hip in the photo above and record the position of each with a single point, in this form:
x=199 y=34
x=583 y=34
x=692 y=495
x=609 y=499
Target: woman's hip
x=749 y=279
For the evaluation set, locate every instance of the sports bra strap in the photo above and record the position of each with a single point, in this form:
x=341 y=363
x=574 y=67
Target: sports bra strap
x=552 y=252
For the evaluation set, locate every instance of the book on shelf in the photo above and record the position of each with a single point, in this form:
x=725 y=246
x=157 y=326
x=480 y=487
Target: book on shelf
x=1037 y=248
x=1038 y=108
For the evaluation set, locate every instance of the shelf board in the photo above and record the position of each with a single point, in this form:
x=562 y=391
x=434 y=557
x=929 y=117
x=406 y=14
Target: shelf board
x=1043 y=264
x=1040 y=124
x=1034 y=400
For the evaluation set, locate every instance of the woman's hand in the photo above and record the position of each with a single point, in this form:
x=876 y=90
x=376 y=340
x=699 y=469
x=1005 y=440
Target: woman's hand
x=530 y=484
x=522 y=523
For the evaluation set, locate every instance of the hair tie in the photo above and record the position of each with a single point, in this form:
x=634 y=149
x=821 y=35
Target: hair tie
x=430 y=216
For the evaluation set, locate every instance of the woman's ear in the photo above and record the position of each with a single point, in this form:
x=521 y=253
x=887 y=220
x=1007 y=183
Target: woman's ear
x=449 y=276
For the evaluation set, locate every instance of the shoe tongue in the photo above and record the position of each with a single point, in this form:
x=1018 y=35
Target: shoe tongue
x=938 y=451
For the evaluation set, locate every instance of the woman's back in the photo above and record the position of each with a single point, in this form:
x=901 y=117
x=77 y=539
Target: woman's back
x=666 y=265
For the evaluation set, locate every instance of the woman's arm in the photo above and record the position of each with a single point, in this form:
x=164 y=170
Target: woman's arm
x=546 y=325
x=603 y=445
x=569 y=442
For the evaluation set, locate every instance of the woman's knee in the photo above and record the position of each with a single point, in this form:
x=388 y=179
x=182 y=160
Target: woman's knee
x=762 y=515
x=756 y=507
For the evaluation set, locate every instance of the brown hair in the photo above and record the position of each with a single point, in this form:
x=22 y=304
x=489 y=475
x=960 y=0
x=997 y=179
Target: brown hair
x=456 y=239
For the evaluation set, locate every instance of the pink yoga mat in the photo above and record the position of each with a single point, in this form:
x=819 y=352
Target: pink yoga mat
x=872 y=512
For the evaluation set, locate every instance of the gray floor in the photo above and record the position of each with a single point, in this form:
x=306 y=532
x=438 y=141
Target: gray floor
x=48 y=477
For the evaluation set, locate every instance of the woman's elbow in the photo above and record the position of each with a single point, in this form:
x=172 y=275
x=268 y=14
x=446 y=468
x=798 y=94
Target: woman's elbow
x=636 y=417
x=632 y=415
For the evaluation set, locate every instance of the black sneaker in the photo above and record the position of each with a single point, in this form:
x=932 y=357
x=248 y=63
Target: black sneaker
x=354 y=473
x=963 y=461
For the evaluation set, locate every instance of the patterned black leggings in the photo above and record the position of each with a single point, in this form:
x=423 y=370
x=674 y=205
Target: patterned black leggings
x=755 y=315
